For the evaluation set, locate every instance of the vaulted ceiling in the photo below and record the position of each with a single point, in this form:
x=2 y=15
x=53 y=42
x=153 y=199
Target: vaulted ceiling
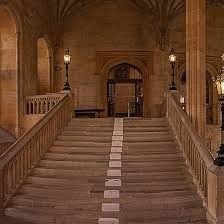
x=61 y=8
x=164 y=12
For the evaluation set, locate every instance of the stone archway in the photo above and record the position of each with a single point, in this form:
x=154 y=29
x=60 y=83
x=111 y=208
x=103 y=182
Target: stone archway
x=9 y=80
x=18 y=38
x=211 y=91
x=139 y=61
x=44 y=65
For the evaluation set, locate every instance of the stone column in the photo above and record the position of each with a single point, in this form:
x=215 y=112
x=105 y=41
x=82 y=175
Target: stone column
x=19 y=86
x=195 y=64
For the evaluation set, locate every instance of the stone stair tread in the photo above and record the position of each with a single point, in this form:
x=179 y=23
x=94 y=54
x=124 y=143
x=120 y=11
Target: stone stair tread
x=87 y=133
x=92 y=173
x=68 y=184
x=80 y=149
x=72 y=164
x=50 y=216
x=84 y=138
x=71 y=157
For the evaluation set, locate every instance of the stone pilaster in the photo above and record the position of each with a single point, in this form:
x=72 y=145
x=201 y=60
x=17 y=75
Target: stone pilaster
x=196 y=65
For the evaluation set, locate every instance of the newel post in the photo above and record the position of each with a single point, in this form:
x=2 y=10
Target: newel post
x=1 y=192
x=215 y=211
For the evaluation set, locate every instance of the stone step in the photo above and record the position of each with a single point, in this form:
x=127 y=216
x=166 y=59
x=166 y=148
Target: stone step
x=71 y=185
x=91 y=124
x=97 y=139
x=52 y=215
x=106 y=157
x=147 y=133
x=153 y=155
x=100 y=150
x=9 y=220
x=172 y=216
x=129 y=150
x=146 y=124
x=129 y=129
x=134 y=189
x=95 y=203
x=88 y=128
x=81 y=143
x=140 y=119
x=97 y=177
x=148 y=169
x=153 y=163
x=88 y=133
x=151 y=144
x=141 y=140
x=40 y=171
x=72 y=164
x=93 y=120
x=75 y=204
x=76 y=157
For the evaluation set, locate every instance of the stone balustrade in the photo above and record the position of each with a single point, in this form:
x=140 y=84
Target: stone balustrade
x=40 y=104
x=196 y=153
x=17 y=162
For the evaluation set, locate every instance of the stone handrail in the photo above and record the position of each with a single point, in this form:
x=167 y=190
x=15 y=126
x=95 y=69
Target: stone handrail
x=40 y=104
x=17 y=162
x=196 y=153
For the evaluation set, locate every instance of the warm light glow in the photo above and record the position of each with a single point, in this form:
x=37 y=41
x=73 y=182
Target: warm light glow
x=67 y=57
x=220 y=80
x=220 y=86
x=182 y=100
x=172 y=57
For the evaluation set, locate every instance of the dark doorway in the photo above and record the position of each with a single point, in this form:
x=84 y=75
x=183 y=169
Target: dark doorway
x=125 y=92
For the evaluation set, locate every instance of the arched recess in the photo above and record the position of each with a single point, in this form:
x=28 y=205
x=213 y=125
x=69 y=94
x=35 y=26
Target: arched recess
x=44 y=66
x=211 y=91
x=104 y=76
x=9 y=63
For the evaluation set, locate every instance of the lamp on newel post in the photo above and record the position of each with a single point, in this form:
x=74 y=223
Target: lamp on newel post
x=67 y=61
x=219 y=161
x=172 y=59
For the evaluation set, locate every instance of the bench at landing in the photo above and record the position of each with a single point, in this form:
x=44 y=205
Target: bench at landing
x=92 y=113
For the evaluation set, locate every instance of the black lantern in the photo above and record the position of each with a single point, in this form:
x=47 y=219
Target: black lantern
x=67 y=61
x=219 y=161
x=172 y=60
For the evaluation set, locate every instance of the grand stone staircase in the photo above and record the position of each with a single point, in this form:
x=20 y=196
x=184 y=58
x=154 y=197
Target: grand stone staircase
x=68 y=185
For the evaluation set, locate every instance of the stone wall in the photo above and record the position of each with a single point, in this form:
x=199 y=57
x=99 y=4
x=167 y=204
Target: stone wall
x=109 y=27
x=8 y=71
x=18 y=51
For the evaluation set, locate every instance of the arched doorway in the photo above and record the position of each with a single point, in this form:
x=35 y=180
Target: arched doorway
x=8 y=71
x=106 y=63
x=125 y=91
x=211 y=94
x=43 y=67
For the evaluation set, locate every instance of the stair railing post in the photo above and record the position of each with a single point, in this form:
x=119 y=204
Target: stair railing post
x=215 y=210
x=1 y=192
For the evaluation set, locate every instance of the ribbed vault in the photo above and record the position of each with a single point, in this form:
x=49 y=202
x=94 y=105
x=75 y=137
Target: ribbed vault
x=164 y=13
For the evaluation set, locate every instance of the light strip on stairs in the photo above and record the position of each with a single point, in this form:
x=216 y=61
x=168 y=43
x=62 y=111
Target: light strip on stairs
x=113 y=172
